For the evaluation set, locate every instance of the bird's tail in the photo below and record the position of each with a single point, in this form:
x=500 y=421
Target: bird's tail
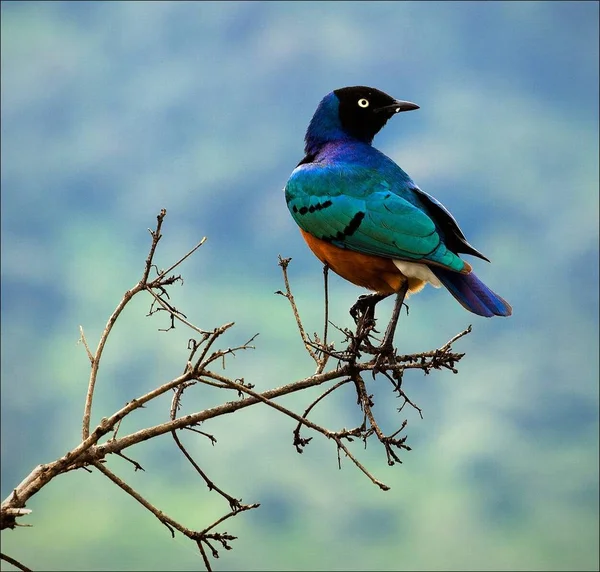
x=473 y=294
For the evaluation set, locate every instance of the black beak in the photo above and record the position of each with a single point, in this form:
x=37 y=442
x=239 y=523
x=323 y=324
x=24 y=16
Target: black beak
x=398 y=106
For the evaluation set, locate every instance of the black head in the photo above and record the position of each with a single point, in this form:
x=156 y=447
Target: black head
x=363 y=111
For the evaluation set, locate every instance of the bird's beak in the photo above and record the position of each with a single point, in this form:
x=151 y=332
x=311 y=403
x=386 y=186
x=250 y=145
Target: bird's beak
x=398 y=106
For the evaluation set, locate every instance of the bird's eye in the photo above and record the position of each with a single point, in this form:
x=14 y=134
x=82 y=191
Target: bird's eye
x=363 y=103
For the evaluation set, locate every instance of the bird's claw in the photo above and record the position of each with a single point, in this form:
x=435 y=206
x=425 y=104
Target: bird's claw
x=364 y=308
x=386 y=356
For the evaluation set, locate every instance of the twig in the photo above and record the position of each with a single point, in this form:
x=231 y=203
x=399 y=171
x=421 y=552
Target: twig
x=204 y=557
x=156 y=236
x=234 y=503
x=14 y=562
x=96 y=358
x=173 y=266
x=387 y=442
x=449 y=343
x=299 y=442
x=173 y=312
x=170 y=523
x=284 y=262
x=85 y=344
x=135 y=464
x=375 y=481
x=210 y=338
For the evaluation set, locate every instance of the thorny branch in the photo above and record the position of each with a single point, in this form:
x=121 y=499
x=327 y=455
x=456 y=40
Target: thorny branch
x=355 y=356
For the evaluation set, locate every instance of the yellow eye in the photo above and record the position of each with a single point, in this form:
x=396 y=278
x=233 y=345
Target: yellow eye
x=363 y=103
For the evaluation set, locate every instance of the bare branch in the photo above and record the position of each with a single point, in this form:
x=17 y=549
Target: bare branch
x=166 y=520
x=284 y=262
x=173 y=266
x=174 y=313
x=156 y=236
x=14 y=562
x=234 y=503
x=96 y=358
x=357 y=355
x=299 y=442
x=375 y=481
x=85 y=344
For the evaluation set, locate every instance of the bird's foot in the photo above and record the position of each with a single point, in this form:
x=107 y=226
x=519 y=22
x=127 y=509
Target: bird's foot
x=363 y=311
x=363 y=314
x=385 y=356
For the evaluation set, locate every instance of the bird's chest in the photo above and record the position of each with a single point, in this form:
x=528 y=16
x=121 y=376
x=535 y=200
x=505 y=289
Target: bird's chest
x=373 y=272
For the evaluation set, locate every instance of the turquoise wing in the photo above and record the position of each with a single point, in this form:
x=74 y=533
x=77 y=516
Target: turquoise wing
x=360 y=209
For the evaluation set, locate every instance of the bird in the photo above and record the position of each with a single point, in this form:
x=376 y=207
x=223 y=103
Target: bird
x=366 y=219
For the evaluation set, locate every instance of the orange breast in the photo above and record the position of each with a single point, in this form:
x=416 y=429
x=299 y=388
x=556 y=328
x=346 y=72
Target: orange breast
x=373 y=272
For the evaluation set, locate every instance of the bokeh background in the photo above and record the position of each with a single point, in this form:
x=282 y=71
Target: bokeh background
x=113 y=110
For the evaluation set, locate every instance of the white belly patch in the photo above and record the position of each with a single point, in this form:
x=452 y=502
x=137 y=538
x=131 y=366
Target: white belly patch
x=419 y=271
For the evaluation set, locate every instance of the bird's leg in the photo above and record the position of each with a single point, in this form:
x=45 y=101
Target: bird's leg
x=364 y=308
x=387 y=346
x=363 y=313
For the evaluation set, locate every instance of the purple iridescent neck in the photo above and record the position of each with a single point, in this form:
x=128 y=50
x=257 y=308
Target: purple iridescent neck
x=325 y=125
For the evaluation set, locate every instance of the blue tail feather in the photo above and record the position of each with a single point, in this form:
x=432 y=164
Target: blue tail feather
x=473 y=294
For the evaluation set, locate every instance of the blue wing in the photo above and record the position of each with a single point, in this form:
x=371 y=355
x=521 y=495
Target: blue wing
x=370 y=210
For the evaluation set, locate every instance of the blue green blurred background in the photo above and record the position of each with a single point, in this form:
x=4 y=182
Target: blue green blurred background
x=111 y=111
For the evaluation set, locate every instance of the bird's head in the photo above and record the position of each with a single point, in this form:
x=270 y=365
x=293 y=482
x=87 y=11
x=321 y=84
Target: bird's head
x=357 y=112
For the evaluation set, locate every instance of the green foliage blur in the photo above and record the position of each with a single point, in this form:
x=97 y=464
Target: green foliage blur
x=111 y=111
